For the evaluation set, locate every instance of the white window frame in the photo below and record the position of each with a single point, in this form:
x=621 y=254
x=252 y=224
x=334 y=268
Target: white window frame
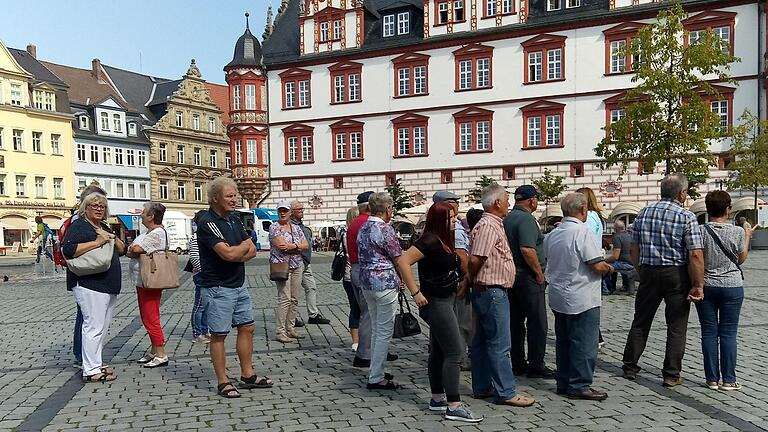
x=119 y=156
x=618 y=49
x=293 y=149
x=196 y=121
x=355 y=145
x=3 y=190
x=198 y=191
x=162 y=155
x=141 y=158
x=212 y=124
x=403 y=23
x=117 y=123
x=388 y=26
x=17 y=139
x=442 y=10
x=341 y=146
x=465 y=74
x=180 y=155
x=404 y=81
x=337 y=30
x=37 y=142
x=238 y=152
x=17 y=97
x=554 y=63
x=84 y=122
x=290 y=94
x=104 y=118
x=535 y=66
x=420 y=79
x=39 y=187
x=58 y=187
x=197 y=156
x=324 y=31
x=236 y=98
x=130 y=157
x=458 y=5
x=179 y=119
x=554 y=130
x=339 y=88
x=81 y=153
x=163 y=189
x=55 y=143
x=132 y=129
x=306 y=148
x=93 y=153
x=250 y=96
x=465 y=136
x=534 y=131
x=724 y=33
x=404 y=141
x=21 y=185
x=553 y=5
x=304 y=93
x=572 y=4
x=419 y=140
x=354 y=87
x=213 y=159
x=251 y=155
x=720 y=107
x=483 y=72
x=181 y=190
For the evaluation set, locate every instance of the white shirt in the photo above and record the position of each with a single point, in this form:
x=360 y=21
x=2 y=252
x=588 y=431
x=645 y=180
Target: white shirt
x=571 y=249
x=151 y=241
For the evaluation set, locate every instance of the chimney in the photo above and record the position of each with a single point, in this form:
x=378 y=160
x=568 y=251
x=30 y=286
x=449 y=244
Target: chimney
x=96 y=68
x=32 y=50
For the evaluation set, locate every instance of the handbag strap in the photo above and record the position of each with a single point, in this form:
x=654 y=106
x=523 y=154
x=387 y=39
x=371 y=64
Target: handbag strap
x=729 y=254
x=401 y=299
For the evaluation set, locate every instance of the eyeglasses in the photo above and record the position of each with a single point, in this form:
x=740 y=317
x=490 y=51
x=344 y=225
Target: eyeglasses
x=97 y=206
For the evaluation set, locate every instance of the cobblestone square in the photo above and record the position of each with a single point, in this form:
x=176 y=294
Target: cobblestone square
x=316 y=386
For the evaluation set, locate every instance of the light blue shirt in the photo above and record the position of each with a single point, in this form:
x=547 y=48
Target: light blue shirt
x=571 y=249
x=461 y=238
x=595 y=224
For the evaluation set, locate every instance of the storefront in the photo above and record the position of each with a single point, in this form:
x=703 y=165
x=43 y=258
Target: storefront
x=16 y=229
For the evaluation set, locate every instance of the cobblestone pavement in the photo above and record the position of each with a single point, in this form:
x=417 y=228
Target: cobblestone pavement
x=316 y=387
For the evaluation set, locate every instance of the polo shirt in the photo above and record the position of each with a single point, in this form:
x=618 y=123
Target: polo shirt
x=572 y=248
x=352 y=232
x=522 y=230
x=215 y=271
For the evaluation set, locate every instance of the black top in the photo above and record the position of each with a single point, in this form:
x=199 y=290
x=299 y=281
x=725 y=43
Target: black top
x=214 y=271
x=438 y=270
x=108 y=282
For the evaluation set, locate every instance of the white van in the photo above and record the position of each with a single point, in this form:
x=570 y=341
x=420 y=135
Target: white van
x=261 y=218
x=179 y=228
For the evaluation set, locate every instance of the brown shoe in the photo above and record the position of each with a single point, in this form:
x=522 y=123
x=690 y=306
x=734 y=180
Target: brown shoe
x=295 y=335
x=517 y=401
x=589 y=394
x=284 y=339
x=672 y=382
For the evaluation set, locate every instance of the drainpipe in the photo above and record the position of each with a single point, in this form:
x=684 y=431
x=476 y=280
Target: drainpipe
x=269 y=144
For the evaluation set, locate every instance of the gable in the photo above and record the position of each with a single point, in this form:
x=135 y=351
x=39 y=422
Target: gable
x=9 y=65
x=542 y=105
x=110 y=102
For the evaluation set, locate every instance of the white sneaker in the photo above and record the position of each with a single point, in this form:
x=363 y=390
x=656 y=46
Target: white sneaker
x=354 y=347
x=202 y=339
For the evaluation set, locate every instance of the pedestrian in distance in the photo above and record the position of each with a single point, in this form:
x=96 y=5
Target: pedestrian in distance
x=307 y=277
x=44 y=233
x=667 y=248
x=726 y=247
x=287 y=242
x=575 y=268
x=154 y=240
x=620 y=260
x=491 y=273
x=224 y=248
x=96 y=294
x=439 y=275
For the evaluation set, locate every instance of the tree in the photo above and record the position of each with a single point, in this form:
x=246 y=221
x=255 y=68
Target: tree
x=749 y=150
x=666 y=120
x=473 y=195
x=550 y=186
x=400 y=196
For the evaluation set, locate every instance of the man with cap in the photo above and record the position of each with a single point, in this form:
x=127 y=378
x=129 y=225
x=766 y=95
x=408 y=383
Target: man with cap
x=462 y=306
x=527 y=305
x=307 y=277
x=363 y=353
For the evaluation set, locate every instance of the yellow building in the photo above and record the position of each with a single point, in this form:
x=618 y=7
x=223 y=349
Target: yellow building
x=36 y=157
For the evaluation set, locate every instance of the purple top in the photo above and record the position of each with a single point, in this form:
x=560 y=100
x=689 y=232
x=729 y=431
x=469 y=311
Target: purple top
x=377 y=247
x=295 y=235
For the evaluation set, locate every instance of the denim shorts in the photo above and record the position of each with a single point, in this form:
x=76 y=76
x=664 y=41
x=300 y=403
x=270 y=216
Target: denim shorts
x=226 y=308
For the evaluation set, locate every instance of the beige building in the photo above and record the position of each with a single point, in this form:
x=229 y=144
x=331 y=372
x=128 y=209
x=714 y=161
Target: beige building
x=189 y=143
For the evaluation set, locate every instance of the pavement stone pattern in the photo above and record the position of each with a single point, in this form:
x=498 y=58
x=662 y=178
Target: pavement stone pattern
x=316 y=386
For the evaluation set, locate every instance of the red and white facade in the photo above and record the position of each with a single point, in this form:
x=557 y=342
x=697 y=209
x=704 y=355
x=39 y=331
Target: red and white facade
x=506 y=104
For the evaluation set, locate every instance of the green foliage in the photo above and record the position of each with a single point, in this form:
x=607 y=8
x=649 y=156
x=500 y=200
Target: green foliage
x=666 y=118
x=473 y=195
x=550 y=186
x=400 y=196
x=749 y=150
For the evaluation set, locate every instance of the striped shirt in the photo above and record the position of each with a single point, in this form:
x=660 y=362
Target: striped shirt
x=194 y=254
x=666 y=232
x=489 y=241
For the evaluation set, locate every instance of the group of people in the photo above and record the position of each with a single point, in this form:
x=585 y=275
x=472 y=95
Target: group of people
x=482 y=288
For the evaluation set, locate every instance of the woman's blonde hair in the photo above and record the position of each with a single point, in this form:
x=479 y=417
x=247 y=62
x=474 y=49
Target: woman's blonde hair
x=592 y=203
x=93 y=198
x=352 y=213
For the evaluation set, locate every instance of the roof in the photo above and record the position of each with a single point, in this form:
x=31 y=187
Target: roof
x=163 y=91
x=34 y=67
x=135 y=88
x=220 y=96
x=84 y=88
x=247 y=50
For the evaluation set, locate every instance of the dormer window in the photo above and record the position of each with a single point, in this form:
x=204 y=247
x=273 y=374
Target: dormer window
x=442 y=12
x=389 y=25
x=573 y=3
x=400 y=21
x=104 y=121
x=117 y=123
x=324 y=31
x=83 y=122
x=403 y=23
x=132 y=129
x=554 y=5
x=337 y=30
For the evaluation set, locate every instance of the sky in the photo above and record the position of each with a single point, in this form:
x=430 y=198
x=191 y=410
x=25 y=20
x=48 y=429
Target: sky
x=155 y=37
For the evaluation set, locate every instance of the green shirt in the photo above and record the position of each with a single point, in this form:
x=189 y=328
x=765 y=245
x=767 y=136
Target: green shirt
x=523 y=231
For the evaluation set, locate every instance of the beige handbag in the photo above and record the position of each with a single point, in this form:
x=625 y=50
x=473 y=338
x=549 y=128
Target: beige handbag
x=160 y=269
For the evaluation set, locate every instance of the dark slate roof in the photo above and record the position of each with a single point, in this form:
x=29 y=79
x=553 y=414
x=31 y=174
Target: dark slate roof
x=136 y=88
x=283 y=44
x=163 y=91
x=31 y=65
x=247 y=51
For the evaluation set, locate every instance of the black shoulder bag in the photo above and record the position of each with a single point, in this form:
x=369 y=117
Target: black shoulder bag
x=734 y=259
x=405 y=323
x=339 y=264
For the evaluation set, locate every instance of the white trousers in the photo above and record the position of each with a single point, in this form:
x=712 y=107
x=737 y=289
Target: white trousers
x=98 y=310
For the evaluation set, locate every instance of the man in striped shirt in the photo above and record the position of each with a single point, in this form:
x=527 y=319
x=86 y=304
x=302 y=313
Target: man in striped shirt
x=491 y=273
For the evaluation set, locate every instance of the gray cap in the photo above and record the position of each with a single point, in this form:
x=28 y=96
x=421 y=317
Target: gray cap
x=284 y=204
x=445 y=195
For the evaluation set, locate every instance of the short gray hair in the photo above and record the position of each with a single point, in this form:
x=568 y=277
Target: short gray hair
x=362 y=207
x=573 y=203
x=379 y=201
x=217 y=185
x=673 y=184
x=296 y=203
x=618 y=226
x=92 y=198
x=156 y=210
x=490 y=194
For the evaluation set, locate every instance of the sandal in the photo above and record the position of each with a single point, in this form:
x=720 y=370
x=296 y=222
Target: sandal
x=517 y=401
x=101 y=377
x=253 y=382
x=383 y=385
x=730 y=386
x=223 y=391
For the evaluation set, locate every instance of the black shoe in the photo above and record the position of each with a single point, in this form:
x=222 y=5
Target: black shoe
x=628 y=375
x=298 y=322
x=318 y=319
x=589 y=394
x=361 y=362
x=392 y=357
x=544 y=372
x=519 y=370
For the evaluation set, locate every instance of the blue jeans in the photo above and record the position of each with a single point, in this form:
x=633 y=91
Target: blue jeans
x=719 y=319
x=623 y=268
x=199 y=320
x=77 y=339
x=576 y=339
x=491 y=364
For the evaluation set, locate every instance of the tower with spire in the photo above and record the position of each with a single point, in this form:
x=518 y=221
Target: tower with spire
x=247 y=127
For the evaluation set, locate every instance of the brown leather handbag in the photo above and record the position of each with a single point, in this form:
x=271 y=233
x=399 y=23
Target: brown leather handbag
x=278 y=271
x=160 y=269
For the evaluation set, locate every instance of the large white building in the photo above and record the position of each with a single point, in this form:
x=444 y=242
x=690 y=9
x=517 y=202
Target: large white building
x=440 y=92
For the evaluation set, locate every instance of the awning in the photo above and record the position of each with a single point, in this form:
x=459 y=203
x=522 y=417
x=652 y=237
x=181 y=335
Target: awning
x=552 y=210
x=53 y=221
x=698 y=207
x=630 y=208
x=744 y=203
x=15 y=223
x=130 y=222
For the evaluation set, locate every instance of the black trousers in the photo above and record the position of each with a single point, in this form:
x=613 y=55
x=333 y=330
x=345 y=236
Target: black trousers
x=670 y=284
x=527 y=317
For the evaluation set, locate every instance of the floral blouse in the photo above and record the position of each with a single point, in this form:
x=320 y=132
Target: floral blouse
x=296 y=235
x=377 y=247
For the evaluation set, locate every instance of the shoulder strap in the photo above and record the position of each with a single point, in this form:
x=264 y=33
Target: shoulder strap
x=734 y=259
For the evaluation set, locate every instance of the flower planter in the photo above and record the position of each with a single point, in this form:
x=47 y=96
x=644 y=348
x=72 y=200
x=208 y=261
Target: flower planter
x=760 y=239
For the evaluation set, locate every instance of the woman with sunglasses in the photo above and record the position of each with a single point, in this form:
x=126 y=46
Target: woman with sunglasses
x=96 y=294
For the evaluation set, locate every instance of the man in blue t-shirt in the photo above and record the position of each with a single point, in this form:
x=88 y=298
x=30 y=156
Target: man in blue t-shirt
x=224 y=248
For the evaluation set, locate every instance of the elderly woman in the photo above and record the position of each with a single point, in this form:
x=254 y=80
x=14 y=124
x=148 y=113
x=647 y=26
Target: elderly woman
x=378 y=249
x=95 y=294
x=155 y=239
x=287 y=241
x=354 y=307
x=725 y=248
